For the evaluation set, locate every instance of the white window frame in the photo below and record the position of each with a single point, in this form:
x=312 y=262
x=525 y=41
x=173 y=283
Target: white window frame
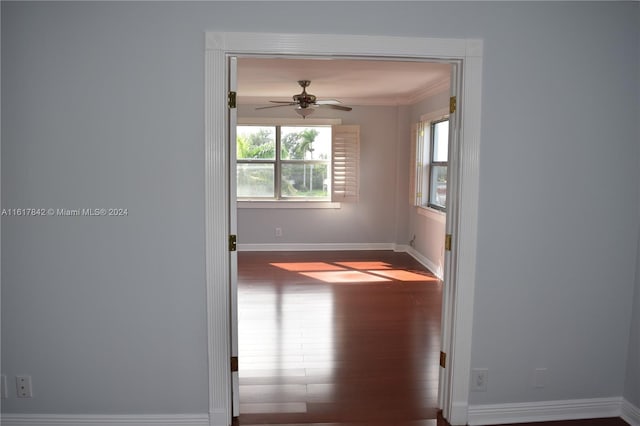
x=421 y=160
x=278 y=163
x=431 y=163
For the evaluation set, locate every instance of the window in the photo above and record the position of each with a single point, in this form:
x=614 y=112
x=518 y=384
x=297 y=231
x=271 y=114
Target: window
x=432 y=160
x=293 y=162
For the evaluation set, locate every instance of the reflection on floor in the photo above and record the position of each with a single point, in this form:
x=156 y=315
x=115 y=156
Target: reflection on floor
x=337 y=337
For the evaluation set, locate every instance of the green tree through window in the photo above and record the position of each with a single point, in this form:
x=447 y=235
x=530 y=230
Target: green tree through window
x=296 y=145
x=260 y=144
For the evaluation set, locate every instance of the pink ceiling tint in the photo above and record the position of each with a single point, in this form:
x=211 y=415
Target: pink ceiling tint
x=354 y=82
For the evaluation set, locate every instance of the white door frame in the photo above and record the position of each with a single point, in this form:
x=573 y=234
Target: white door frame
x=218 y=47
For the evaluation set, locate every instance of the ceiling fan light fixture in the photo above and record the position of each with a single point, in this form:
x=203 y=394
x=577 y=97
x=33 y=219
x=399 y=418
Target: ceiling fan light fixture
x=305 y=103
x=304 y=112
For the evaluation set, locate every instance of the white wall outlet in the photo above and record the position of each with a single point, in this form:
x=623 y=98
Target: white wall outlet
x=539 y=377
x=278 y=232
x=23 y=386
x=479 y=377
x=3 y=387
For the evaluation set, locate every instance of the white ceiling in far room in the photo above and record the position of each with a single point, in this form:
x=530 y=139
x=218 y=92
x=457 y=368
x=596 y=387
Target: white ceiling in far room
x=352 y=81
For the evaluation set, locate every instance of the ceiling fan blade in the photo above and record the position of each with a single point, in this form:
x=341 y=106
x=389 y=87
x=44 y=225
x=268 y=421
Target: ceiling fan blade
x=276 y=106
x=327 y=102
x=283 y=102
x=340 y=107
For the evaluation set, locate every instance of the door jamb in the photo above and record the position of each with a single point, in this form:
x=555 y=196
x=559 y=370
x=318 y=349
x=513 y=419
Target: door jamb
x=218 y=47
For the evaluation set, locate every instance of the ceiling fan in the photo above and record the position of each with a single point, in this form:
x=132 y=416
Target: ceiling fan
x=305 y=103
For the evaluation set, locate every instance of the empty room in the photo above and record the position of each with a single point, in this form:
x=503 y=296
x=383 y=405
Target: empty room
x=160 y=216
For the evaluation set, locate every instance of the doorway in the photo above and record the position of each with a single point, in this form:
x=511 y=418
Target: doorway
x=459 y=300
x=388 y=96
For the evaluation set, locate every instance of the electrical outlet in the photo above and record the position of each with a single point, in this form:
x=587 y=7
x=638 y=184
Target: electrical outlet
x=3 y=387
x=23 y=386
x=278 y=232
x=479 y=377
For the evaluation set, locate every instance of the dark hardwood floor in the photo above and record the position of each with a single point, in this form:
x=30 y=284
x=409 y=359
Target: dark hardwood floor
x=341 y=339
x=337 y=337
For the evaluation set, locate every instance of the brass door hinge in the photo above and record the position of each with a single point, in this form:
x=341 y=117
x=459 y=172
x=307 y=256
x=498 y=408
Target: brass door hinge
x=453 y=104
x=231 y=99
x=234 y=364
x=443 y=359
x=447 y=242
x=233 y=242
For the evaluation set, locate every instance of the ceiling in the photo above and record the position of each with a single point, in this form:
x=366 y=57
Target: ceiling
x=352 y=81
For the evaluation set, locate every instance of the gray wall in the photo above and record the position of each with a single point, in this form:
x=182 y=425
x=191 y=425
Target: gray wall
x=102 y=106
x=632 y=384
x=556 y=260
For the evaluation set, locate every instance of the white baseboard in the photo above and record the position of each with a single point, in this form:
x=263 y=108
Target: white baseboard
x=545 y=411
x=630 y=413
x=477 y=415
x=427 y=263
x=316 y=247
x=104 y=420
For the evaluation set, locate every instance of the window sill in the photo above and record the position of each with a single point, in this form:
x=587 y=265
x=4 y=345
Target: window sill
x=431 y=213
x=288 y=205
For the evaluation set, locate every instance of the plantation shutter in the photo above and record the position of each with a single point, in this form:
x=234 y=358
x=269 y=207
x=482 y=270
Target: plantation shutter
x=420 y=180
x=345 y=163
x=413 y=167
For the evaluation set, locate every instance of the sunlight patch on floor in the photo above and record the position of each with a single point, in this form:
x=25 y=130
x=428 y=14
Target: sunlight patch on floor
x=307 y=266
x=364 y=266
x=344 y=277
